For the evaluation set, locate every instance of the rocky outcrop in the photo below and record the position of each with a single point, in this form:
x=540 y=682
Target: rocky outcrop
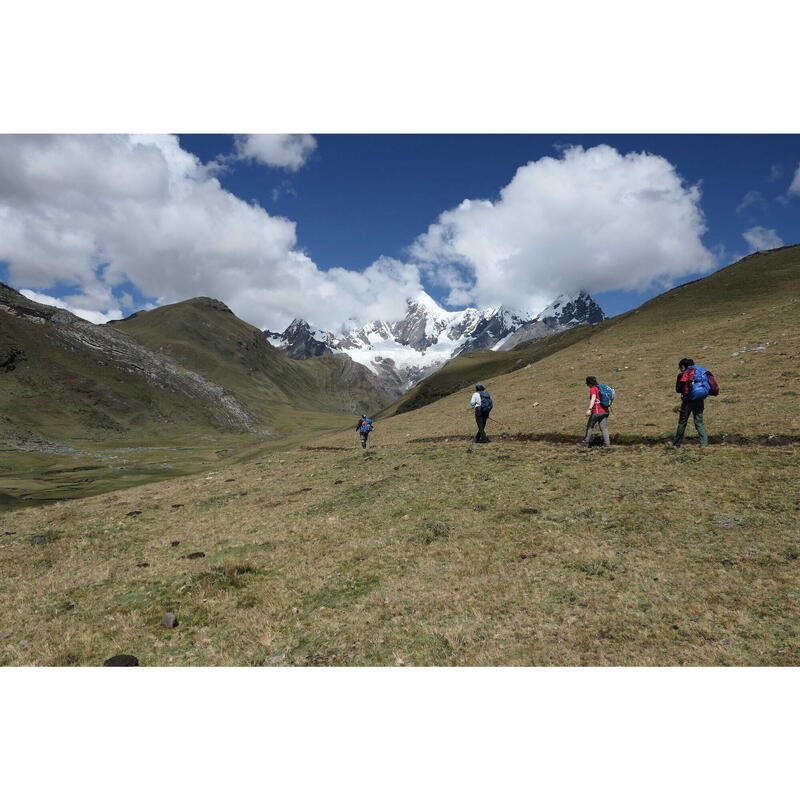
x=298 y=341
x=564 y=312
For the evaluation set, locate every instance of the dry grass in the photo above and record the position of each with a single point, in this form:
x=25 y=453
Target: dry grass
x=632 y=556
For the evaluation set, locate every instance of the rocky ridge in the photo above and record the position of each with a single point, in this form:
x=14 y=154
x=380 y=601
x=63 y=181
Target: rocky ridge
x=113 y=348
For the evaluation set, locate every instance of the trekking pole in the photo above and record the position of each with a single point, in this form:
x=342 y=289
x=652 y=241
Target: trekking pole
x=492 y=419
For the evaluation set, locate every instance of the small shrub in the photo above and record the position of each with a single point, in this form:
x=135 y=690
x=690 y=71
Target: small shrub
x=45 y=537
x=596 y=567
x=433 y=531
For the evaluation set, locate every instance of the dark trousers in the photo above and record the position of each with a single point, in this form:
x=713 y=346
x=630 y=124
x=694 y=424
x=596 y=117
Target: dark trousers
x=695 y=408
x=363 y=435
x=481 y=418
x=597 y=419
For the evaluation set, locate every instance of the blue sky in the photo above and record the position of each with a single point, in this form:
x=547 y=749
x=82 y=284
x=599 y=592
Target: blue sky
x=362 y=196
x=334 y=226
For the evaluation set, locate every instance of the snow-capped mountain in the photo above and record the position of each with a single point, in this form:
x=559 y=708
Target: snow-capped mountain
x=402 y=352
x=566 y=311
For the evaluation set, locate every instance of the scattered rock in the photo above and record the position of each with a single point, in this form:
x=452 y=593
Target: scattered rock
x=174 y=543
x=133 y=513
x=405 y=516
x=335 y=483
x=529 y=511
x=5 y=634
x=8 y=533
x=727 y=521
x=528 y=554
x=229 y=480
x=198 y=554
x=300 y=491
x=177 y=505
x=122 y=660
x=535 y=404
x=23 y=643
x=143 y=564
x=169 y=621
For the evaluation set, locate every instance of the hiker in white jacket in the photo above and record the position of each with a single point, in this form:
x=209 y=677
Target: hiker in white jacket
x=481 y=401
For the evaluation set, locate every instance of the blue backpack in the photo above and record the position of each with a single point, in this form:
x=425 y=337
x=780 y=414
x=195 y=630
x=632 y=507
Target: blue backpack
x=700 y=387
x=486 y=401
x=366 y=425
x=606 y=395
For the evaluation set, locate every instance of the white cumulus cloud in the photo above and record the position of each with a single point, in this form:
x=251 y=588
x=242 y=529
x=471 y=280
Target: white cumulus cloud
x=751 y=198
x=794 y=188
x=92 y=212
x=760 y=238
x=287 y=150
x=98 y=317
x=592 y=219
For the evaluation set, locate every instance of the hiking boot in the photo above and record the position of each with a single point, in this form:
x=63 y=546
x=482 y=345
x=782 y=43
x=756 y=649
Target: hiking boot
x=583 y=444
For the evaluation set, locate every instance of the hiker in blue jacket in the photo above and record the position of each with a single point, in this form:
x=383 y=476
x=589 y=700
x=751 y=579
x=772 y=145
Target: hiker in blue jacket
x=481 y=401
x=365 y=425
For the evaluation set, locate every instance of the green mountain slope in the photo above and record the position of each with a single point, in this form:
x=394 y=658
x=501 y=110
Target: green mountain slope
x=85 y=408
x=63 y=377
x=205 y=336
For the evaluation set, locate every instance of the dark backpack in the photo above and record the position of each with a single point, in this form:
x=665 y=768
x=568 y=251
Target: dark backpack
x=486 y=401
x=606 y=395
x=366 y=425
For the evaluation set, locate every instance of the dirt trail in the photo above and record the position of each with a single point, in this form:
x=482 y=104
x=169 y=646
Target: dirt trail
x=765 y=440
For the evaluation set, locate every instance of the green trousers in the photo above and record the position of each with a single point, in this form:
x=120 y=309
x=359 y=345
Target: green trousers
x=694 y=407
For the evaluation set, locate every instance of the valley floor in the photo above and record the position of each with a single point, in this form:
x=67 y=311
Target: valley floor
x=422 y=553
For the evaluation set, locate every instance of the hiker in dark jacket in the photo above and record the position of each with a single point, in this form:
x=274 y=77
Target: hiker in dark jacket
x=693 y=384
x=481 y=401
x=365 y=425
x=597 y=413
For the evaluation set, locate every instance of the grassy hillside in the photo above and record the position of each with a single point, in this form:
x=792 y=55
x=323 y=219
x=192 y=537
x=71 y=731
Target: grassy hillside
x=427 y=549
x=421 y=554
x=480 y=365
x=86 y=408
x=205 y=336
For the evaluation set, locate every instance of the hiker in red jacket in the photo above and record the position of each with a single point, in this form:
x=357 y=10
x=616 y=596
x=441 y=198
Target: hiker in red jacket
x=597 y=413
